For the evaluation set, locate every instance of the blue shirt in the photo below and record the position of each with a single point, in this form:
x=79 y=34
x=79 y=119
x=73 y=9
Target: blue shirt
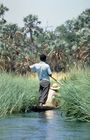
x=43 y=70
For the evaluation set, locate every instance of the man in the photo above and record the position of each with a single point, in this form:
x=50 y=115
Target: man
x=43 y=70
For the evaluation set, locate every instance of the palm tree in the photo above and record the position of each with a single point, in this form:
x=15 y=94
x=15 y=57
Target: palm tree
x=3 y=9
x=31 y=26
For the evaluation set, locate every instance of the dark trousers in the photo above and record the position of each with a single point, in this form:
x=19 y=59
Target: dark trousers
x=44 y=89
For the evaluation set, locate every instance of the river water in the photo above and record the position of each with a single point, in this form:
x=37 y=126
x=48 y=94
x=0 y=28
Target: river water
x=48 y=125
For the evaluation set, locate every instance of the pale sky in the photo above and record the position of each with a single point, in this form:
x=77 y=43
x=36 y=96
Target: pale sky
x=50 y=12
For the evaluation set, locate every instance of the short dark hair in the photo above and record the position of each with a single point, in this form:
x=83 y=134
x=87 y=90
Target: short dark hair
x=43 y=57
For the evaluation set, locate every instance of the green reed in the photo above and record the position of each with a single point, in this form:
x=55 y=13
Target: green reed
x=75 y=93
x=17 y=94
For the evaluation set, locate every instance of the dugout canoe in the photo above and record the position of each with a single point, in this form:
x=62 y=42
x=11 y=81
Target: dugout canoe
x=42 y=108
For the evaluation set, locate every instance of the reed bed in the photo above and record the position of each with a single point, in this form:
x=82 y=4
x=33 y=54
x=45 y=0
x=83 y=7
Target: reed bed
x=20 y=94
x=75 y=93
x=17 y=94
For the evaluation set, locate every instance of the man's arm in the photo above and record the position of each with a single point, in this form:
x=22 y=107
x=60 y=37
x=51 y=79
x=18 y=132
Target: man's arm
x=29 y=68
x=32 y=68
x=49 y=71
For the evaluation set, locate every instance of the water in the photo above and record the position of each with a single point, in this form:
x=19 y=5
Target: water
x=47 y=125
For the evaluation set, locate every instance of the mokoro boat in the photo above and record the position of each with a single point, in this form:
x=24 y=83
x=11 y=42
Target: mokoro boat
x=42 y=108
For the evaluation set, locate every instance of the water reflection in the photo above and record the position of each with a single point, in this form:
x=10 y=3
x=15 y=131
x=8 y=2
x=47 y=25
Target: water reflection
x=46 y=125
x=51 y=125
x=48 y=115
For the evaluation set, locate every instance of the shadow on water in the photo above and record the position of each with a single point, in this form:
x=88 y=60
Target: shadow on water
x=48 y=125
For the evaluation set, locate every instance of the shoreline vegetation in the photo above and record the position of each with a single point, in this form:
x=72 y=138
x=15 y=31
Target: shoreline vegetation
x=75 y=94
x=19 y=94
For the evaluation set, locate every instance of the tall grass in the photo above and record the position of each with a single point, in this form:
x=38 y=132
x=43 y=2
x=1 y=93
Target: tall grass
x=17 y=94
x=75 y=94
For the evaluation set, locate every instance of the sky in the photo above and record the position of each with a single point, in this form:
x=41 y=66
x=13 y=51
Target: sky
x=51 y=13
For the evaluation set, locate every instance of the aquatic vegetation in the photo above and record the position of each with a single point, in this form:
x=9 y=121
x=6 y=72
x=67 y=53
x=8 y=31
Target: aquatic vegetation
x=75 y=94
x=20 y=94
x=17 y=94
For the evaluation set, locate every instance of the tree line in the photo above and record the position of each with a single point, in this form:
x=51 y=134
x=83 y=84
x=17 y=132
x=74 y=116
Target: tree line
x=68 y=45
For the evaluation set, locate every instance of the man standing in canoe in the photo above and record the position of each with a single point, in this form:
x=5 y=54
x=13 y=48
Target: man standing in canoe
x=44 y=72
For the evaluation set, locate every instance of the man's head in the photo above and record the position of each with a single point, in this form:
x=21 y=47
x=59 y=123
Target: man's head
x=43 y=57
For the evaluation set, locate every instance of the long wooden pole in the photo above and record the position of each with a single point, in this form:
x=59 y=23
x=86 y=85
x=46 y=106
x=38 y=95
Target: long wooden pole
x=56 y=80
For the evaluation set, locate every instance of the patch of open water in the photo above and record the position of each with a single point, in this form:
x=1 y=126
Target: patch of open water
x=48 y=125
